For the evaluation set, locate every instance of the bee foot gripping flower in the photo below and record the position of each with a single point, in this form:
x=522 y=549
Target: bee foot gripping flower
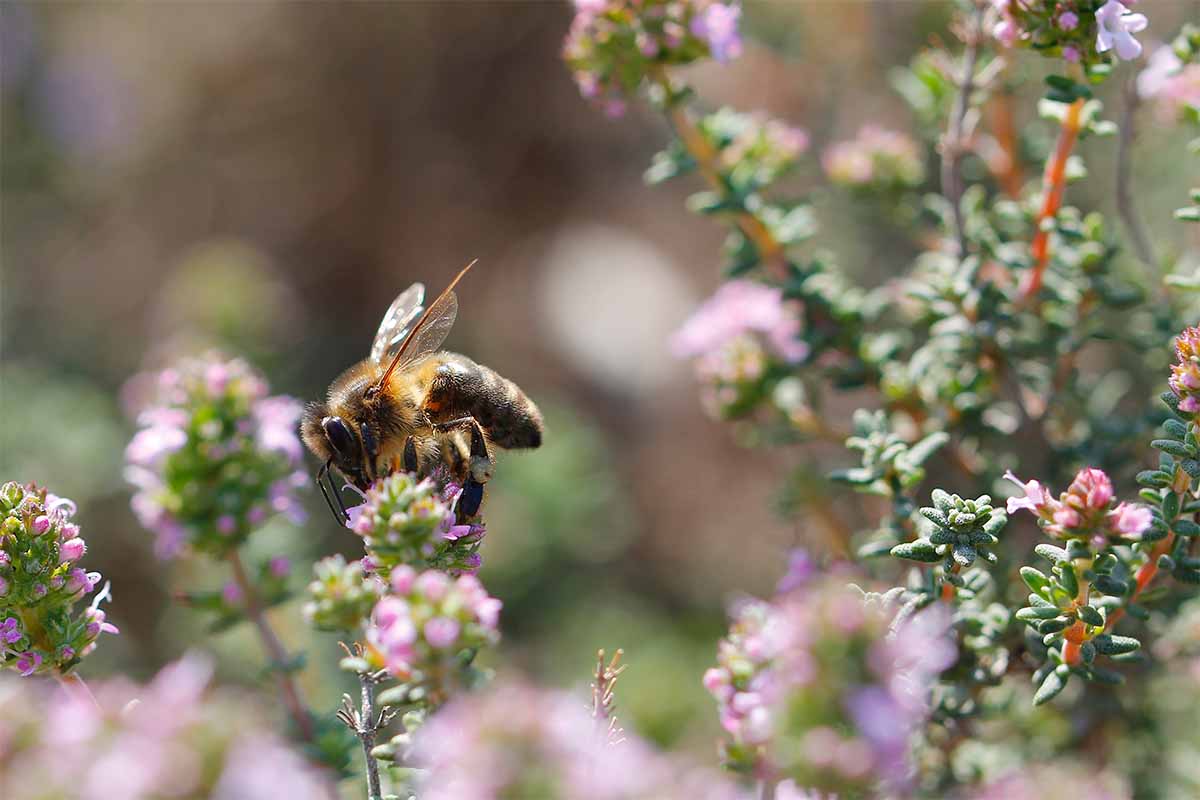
x=214 y=457
x=403 y=520
x=40 y=584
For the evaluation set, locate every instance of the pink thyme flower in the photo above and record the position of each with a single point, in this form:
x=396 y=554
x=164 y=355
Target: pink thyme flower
x=1093 y=487
x=1185 y=373
x=1131 y=520
x=1116 y=25
x=10 y=631
x=1071 y=54
x=72 y=549
x=1036 y=497
x=1068 y=20
x=1085 y=510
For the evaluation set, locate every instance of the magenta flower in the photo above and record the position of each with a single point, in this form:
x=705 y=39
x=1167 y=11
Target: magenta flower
x=1116 y=25
x=28 y=662
x=10 y=631
x=1068 y=21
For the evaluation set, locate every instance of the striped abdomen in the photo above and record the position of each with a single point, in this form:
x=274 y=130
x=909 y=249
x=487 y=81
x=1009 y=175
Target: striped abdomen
x=459 y=387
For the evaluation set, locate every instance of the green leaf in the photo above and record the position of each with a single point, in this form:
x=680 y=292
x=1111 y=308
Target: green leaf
x=1035 y=580
x=1154 y=478
x=1186 y=527
x=1110 y=645
x=920 y=550
x=1035 y=614
x=1090 y=615
x=920 y=452
x=1111 y=586
x=964 y=554
x=1177 y=449
x=1170 y=506
x=1050 y=688
x=1068 y=579
x=1175 y=429
x=1049 y=551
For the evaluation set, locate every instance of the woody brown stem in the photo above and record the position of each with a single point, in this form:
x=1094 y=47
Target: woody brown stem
x=706 y=156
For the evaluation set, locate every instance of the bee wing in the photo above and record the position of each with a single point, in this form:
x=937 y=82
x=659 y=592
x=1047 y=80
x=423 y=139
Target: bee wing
x=399 y=320
x=428 y=333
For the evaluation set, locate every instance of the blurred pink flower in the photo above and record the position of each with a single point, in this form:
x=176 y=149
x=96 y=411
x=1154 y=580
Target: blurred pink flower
x=739 y=307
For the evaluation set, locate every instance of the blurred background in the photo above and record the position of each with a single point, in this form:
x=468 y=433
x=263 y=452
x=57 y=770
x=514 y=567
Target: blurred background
x=266 y=177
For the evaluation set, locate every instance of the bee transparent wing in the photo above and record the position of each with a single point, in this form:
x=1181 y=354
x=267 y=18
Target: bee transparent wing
x=430 y=334
x=430 y=330
x=397 y=323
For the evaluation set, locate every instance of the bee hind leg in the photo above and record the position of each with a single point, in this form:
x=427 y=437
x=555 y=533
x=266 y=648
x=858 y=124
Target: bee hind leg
x=479 y=466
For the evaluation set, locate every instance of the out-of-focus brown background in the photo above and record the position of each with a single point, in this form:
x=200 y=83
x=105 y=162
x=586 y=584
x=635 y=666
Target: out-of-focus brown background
x=266 y=177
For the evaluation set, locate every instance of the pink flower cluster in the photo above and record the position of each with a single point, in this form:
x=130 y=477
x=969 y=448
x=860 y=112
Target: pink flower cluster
x=169 y=738
x=214 y=456
x=875 y=158
x=40 y=583
x=612 y=44
x=1085 y=511
x=1185 y=373
x=736 y=333
x=516 y=741
x=821 y=687
x=426 y=620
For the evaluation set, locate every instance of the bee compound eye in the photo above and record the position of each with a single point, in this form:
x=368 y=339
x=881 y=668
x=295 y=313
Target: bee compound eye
x=339 y=436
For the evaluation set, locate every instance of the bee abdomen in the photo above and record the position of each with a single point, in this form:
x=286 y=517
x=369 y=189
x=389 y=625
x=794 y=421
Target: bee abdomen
x=507 y=415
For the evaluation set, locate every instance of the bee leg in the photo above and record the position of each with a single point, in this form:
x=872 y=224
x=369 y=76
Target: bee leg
x=410 y=455
x=479 y=465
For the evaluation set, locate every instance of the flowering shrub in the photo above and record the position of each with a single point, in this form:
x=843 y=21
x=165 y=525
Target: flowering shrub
x=40 y=583
x=975 y=377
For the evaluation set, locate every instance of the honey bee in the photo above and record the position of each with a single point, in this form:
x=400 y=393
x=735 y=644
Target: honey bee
x=409 y=405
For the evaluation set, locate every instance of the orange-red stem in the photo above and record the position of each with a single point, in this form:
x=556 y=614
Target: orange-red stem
x=1054 y=183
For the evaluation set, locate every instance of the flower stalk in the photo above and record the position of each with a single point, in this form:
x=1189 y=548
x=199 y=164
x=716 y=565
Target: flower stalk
x=1054 y=185
x=275 y=650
